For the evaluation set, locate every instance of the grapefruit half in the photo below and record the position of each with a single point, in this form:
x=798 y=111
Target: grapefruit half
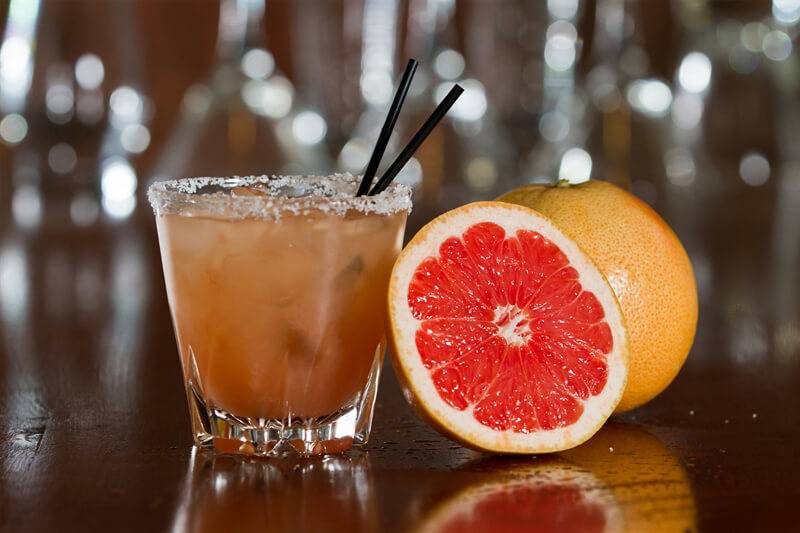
x=505 y=336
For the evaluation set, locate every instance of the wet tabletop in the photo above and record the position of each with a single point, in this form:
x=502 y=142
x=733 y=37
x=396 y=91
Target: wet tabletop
x=95 y=435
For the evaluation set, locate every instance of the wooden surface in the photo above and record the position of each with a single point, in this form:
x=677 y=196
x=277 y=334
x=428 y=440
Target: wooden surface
x=94 y=434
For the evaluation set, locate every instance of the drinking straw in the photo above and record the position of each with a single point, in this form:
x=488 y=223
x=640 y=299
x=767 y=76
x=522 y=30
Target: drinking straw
x=419 y=137
x=386 y=130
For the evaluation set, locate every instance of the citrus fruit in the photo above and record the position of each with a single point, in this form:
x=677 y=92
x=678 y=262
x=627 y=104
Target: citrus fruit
x=504 y=334
x=646 y=266
x=647 y=480
x=548 y=496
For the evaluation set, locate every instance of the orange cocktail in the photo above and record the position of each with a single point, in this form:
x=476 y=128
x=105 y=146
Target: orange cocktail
x=277 y=288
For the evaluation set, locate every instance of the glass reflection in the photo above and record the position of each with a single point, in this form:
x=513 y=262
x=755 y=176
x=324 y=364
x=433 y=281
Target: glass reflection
x=222 y=493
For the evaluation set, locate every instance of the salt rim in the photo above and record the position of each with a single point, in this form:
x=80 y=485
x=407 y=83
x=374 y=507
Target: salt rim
x=333 y=194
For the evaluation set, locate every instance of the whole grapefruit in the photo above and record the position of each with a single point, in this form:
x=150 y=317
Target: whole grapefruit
x=646 y=266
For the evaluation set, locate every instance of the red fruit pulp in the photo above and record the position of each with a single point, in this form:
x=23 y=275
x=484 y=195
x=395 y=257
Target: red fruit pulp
x=507 y=329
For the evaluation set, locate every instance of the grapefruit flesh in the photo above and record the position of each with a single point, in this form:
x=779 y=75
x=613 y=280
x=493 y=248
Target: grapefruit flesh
x=646 y=265
x=505 y=335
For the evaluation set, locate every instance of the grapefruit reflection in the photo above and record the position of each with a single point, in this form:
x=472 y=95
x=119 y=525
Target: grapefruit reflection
x=622 y=479
x=530 y=496
x=647 y=480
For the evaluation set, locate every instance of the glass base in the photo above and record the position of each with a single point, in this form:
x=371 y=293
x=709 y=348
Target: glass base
x=337 y=432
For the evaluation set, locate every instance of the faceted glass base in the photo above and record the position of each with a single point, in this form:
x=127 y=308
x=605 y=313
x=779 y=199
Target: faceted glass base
x=337 y=432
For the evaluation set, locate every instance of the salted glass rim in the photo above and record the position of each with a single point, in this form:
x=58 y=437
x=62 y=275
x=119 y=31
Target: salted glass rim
x=281 y=195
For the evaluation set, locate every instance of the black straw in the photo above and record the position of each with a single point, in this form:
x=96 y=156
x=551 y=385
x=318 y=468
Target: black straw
x=386 y=130
x=415 y=142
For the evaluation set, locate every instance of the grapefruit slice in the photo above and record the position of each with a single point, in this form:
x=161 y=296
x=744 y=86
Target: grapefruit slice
x=505 y=336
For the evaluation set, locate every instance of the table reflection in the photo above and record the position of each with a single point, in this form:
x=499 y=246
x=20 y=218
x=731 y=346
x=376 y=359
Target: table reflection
x=623 y=479
x=525 y=495
x=224 y=493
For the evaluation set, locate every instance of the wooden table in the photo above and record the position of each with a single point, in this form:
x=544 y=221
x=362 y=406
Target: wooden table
x=94 y=434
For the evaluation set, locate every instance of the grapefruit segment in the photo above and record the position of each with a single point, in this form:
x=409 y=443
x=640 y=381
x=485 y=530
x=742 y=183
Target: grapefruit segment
x=505 y=335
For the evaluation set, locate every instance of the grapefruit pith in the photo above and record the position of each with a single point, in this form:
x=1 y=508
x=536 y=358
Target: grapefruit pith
x=504 y=334
x=645 y=264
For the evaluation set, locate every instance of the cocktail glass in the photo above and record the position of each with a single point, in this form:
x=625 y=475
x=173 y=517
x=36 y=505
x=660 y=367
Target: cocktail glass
x=277 y=289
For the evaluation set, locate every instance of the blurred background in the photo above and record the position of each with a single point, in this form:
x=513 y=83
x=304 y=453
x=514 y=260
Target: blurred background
x=692 y=104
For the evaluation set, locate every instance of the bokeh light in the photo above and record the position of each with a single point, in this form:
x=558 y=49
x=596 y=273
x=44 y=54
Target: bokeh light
x=679 y=166
x=562 y=9
x=197 y=100
x=62 y=158
x=257 y=63
x=26 y=206
x=576 y=166
x=135 y=138
x=449 y=64
x=13 y=128
x=777 y=45
x=472 y=104
x=83 y=209
x=554 y=126
x=308 y=127
x=559 y=53
x=354 y=155
x=59 y=101
x=651 y=97
x=786 y=11
x=754 y=169
x=15 y=55
x=694 y=73
x=89 y=72
x=752 y=35
x=377 y=86
x=126 y=105
x=272 y=98
x=411 y=174
x=118 y=186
